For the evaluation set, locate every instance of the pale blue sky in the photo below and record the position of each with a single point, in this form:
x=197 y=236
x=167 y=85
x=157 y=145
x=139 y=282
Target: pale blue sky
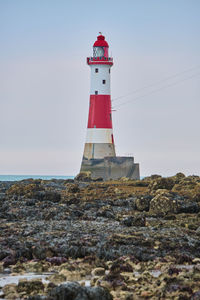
x=44 y=82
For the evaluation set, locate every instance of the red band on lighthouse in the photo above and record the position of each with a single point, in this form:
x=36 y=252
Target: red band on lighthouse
x=100 y=112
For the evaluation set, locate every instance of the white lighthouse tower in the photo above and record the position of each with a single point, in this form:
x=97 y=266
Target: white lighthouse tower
x=99 y=155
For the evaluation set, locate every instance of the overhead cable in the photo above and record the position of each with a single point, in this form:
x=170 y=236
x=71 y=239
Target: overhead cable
x=155 y=91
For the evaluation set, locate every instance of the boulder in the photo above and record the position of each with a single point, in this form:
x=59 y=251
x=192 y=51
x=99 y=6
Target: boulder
x=9 y=292
x=142 y=203
x=161 y=183
x=73 y=188
x=166 y=202
x=23 y=189
x=47 y=195
x=30 y=286
x=187 y=206
x=179 y=176
x=83 y=176
x=163 y=203
x=138 y=221
x=74 y=291
x=189 y=187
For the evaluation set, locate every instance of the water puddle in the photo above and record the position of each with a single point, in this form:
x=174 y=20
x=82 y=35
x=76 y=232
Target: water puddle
x=155 y=273
x=10 y=279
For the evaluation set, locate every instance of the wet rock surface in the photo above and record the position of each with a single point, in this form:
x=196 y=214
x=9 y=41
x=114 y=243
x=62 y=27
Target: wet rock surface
x=117 y=234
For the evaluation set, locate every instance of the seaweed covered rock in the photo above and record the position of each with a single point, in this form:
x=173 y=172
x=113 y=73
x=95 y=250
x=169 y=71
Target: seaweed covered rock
x=73 y=188
x=166 y=202
x=138 y=221
x=29 y=286
x=179 y=176
x=27 y=190
x=189 y=187
x=83 y=176
x=161 y=183
x=74 y=291
x=142 y=203
x=163 y=203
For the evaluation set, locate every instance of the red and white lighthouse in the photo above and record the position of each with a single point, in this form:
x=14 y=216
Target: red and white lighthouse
x=99 y=156
x=99 y=139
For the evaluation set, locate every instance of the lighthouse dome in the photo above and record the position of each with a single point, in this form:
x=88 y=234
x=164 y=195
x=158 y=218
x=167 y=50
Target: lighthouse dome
x=100 y=42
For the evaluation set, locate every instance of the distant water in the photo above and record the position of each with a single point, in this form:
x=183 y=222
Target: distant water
x=21 y=177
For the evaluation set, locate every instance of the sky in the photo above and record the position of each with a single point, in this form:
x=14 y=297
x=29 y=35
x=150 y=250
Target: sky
x=44 y=83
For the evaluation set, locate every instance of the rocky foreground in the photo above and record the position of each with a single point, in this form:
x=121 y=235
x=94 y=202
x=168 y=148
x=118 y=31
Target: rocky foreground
x=127 y=239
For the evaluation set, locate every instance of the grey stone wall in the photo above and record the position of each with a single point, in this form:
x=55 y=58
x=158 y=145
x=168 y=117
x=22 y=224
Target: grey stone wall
x=112 y=167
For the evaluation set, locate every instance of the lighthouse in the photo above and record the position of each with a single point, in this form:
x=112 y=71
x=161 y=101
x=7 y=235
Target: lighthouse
x=99 y=138
x=99 y=155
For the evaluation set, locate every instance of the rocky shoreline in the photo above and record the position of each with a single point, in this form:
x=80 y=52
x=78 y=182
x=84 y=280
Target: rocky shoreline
x=130 y=239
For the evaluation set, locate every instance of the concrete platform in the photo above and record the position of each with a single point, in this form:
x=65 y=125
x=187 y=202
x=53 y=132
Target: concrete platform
x=112 y=167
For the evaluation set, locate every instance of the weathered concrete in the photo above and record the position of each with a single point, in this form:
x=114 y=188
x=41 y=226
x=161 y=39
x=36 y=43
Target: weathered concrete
x=98 y=150
x=111 y=167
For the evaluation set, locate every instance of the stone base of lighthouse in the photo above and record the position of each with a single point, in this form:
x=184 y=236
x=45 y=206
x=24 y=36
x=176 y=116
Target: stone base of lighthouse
x=111 y=167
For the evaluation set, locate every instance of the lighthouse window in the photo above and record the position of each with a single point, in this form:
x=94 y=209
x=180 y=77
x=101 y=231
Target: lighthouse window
x=103 y=81
x=96 y=70
x=96 y=92
x=109 y=70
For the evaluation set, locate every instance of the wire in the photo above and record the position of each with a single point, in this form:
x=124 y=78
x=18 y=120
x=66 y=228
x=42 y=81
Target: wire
x=155 y=91
x=156 y=83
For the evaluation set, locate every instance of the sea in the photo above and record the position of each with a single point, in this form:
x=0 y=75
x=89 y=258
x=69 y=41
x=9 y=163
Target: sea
x=21 y=177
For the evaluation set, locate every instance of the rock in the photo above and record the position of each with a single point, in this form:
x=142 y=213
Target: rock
x=188 y=187
x=31 y=202
x=130 y=297
x=124 y=179
x=163 y=203
x=27 y=190
x=83 y=176
x=56 y=260
x=134 y=221
x=73 y=188
x=10 y=292
x=196 y=296
x=179 y=176
x=57 y=278
x=152 y=177
x=161 y=183
x=9 y=260
x=198 y=230
x=187 y=206
x=183 y=258
x=29 y=286
x=98 y=272
x=196 y=260
x=142 y=203
x=119 y=266
x=166 y=202
x=2 y=196
x=74 y=291
x=105 y=212
x=48 y=196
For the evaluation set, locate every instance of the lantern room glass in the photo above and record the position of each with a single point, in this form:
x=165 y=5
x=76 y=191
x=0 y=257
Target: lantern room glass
x=100 y=51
